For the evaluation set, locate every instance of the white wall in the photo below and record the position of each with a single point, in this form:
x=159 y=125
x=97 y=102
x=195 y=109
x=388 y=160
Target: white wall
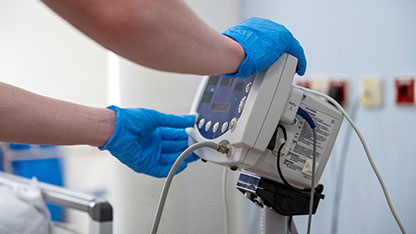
x=42 y=53
x=355 y=38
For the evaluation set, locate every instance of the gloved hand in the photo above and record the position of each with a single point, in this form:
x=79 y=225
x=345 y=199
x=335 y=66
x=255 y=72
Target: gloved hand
x=148 y=141
x=264 y=41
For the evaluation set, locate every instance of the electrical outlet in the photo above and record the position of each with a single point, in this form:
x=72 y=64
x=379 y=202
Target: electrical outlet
x=405 y=90
x=338 y=90
x=371 y=92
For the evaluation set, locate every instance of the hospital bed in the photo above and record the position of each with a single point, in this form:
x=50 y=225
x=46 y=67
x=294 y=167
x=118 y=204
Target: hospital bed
x=100 y=211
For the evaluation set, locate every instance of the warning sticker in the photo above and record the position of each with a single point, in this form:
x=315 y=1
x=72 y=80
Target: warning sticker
x=302 y=145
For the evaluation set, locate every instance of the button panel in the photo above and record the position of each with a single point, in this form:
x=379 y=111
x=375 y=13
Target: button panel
x=248 y=87
x=233 y=123
x=215 y=127
x=201 y=123
x=224 y=127
x=208 y=126
x=222 y=103
x=242 y=104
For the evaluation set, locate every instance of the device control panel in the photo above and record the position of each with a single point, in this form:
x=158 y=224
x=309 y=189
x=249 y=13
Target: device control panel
x=241 y=111
x=221 y=105
x=244 y=114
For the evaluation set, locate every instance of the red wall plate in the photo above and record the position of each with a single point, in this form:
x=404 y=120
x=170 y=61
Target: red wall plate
x=405 y=91
x=338 y=89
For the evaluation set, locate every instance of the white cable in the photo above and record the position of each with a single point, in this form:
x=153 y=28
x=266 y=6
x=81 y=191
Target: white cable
x=225 y=201
x=170 y=176
x=341 y=169
x=312 y=182
x=262 y=221
x=367 y=151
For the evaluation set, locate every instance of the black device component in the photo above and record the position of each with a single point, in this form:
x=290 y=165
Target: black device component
x=233 y=168
x=272 y=142
x=271 y=146
x=281 y=198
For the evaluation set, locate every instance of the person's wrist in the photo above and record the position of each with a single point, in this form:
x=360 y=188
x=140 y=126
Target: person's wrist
x=106 y=126
x=236 y=53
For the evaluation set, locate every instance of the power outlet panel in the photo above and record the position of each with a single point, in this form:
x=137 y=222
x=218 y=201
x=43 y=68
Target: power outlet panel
x=405 y=90
x=338 y=90
x=371 y=92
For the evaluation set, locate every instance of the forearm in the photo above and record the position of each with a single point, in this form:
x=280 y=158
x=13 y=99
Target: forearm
x=160 y=34
x=33 y=119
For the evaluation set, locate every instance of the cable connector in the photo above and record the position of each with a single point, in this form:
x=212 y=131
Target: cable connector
x=306 y=116
x=222 y=148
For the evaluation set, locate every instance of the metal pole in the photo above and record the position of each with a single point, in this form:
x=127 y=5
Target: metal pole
x=275 y=223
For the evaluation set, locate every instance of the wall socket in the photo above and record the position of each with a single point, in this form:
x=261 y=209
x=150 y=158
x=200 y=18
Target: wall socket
x=371 y=92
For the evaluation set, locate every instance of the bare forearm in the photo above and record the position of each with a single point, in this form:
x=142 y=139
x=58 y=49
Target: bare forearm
x=30 y=118
x=161 y=34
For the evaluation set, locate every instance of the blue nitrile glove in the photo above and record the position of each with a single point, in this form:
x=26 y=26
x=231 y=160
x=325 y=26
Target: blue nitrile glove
x=148 y=141
x=264 y=41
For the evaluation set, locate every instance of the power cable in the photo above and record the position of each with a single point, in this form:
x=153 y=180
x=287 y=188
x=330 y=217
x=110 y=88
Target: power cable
x=368 y=154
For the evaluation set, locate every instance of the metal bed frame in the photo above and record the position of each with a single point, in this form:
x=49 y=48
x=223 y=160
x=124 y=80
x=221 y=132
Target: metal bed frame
x=100 y=211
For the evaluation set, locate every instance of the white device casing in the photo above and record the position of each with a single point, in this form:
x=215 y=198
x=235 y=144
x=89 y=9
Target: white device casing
x=298 y=147
x=256 y=125
x=273 y=100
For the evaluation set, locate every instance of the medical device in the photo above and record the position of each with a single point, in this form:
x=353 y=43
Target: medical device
x=244 y=114
x=278 y=135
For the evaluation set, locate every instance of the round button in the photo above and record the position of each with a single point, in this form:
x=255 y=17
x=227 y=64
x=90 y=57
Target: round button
x=208 y=126
x=242 y=104
x=224 y=127
x=215 y=127
x=201 y=123
x=233 y=123
x=248 y=87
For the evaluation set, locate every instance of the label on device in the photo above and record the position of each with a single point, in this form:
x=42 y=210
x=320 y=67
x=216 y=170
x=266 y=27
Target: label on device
x=301 y=147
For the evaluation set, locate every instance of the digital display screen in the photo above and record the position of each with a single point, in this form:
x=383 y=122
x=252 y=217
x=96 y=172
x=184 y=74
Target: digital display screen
x=232 y=82
x=219 y=106
x=238 y=86
x=225 y=81
x=207 y=97
x=213 y=80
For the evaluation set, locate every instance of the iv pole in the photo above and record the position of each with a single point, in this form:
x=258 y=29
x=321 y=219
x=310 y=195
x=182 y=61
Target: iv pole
x=275 y=223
